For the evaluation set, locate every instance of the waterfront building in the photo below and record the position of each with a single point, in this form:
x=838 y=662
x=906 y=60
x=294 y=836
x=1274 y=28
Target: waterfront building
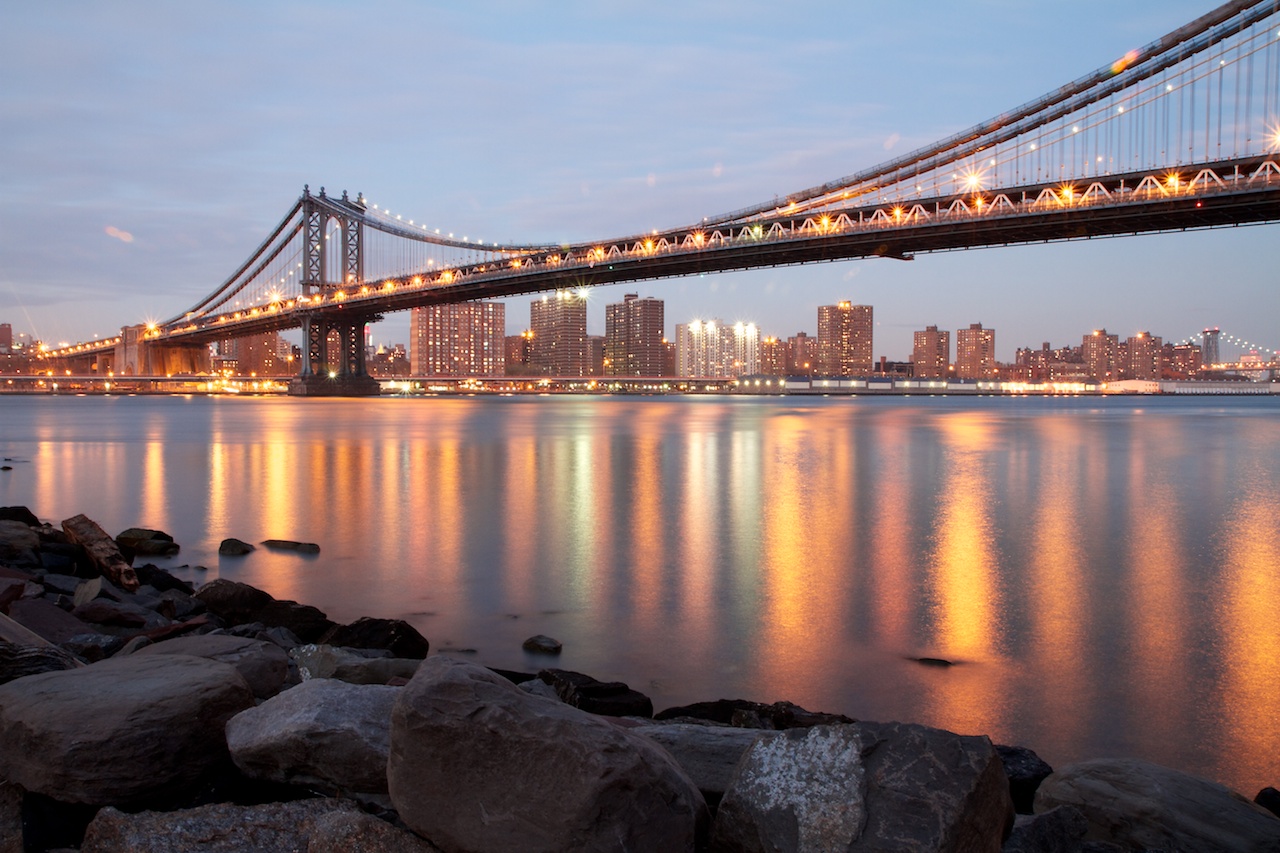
x=1101 y=355
x=844 y=339
x=6 y=338
x=976 y=353
x=931 y=353
x=633 y=336
x=559 y=325
x=1143 y=351
x=257 y=355
x=712 y=349
x=1210 y=354
x=595 y=355
x=668 y=357
x=516 y=350
x=1180 y=361
x=802 y=354
x=462 y=339
x=773 y=356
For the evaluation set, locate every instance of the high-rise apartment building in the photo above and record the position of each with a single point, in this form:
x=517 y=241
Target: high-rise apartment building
x=257 y=355
x=976 y=352
x=559 y=325
x=463 y=339
x=802 y=354
x=1209 y=347
x=712 y=349
x=516 y=353
x=931 y=353
x=844 y=339
x=1144 y=356
x=1100 y=352
x=773 y=356
x=633 y=337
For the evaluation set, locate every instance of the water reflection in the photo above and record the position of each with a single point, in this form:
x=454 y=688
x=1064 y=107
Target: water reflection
x=1105 y=590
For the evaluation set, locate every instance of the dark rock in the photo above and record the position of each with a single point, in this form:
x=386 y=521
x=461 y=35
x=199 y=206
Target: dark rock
x=18 y=544
x=938 y=662
x=395 y=635
x=234 y=548
x=1269 y=799
x=66 y=558
x=65 y=584
x=47 y=620
x=1059 y=830
x=1140 y=805
x=142 y=542
x=752 y=715
x=707 y=754
x=133 y=645
x=94 y=647
x=538 y=687
x=264 y=666
x=476 y=764
x=290 y=545
x=513 y=676
x=121 y=614
x=238 y=603
x=127 y=731
x=19 y=513
x=102 y=551
x=323 y=733
x=162 y=580
x=195 y=625
x=17 y=661
x=349 y=665
x=179 y=605
x=309 y=825
x=10 y=818
x=866 y=786
x=50 y=825
x=282 y=637
x=611 y=698
x=1026 y=771
x=542 y=644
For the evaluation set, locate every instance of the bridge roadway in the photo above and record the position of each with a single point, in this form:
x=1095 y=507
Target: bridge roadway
x=1208 y=195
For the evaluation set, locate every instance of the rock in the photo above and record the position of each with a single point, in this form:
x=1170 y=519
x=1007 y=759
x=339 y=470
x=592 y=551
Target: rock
x=752 y=715
x=1269 y=799
x=10 y=818
x=55 y=582
x=18 y=661
x=318 y=661
x=181 y=604
x=323 y=733
x=63 y=557
x=102 y=550
x=538 y=687
x=238 y=603
x=1026 y=771
x=612 y=698
x=48 y=620
x=142 y=542
x=707 y=754
x=121 y=614
x=18 y=544
x=134 y=645
x=362 y=833
x=542 y=644
x=395 y=635
x=290 y=545
x=126 y=731
x=282 y=637
x=1137 y=804
x=217 y=828
x=476 y=764
x=866 y=786
x=234 y=548
x=19 y=513
x=264 y=666
x=1059 y=830
x=162 y=580
x=94 y=647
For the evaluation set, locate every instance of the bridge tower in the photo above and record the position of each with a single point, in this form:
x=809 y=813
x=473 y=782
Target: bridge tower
x=348 y=377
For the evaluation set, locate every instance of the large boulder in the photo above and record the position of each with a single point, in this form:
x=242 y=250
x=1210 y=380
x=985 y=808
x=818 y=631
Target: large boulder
x=866 y=787
x=1141 y=805
x=144 y=542
x=324 y=733
x=708 y=754
x=18 y=544
x=478 y=764
x=19 y=661
x=125 y=731
x=10 y=818
x=351 y=666
x=1026 y=771
x=302 y=825
x=238 y=603
x=46 y=619
x=19 y=513
x=1059 y=830
x=264 y=666
x=395 y=635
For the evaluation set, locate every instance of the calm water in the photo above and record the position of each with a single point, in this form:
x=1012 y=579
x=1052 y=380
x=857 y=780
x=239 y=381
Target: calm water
x=1107 y=571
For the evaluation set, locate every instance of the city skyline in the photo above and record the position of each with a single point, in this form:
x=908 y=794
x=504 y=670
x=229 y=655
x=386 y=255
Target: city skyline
x=130 y=199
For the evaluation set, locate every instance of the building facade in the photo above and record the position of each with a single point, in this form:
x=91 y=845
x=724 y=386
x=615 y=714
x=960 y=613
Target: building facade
x=931 y=353
x=1209 y=352
x=773 y=356
x=633 y=337
x=1143 y=356
x=558 y=322
x=845 y=339
x=1101 y=353
x=802 y=354
x=713 y=349
x=976 y=353
x=463 y=339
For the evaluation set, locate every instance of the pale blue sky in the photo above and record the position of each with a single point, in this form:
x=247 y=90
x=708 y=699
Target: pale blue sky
x=194 y=127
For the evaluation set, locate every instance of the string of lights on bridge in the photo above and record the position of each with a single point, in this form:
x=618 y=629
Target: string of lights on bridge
x=1230 y=340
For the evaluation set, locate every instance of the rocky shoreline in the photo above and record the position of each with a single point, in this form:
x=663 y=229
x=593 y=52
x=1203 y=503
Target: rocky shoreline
x=138 y=712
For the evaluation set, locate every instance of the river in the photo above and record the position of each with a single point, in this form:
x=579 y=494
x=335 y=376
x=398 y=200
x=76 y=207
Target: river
x=1104 y=572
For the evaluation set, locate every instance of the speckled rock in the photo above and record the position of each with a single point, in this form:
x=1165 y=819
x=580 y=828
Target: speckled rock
x=263 y=665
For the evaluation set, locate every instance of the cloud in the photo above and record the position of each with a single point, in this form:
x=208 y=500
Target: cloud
x=122 y=236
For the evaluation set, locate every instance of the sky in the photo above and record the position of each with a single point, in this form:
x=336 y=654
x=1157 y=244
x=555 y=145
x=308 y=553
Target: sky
x=146 y=149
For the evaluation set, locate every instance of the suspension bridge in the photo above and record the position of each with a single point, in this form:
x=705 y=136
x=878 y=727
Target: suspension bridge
x=1181 y=134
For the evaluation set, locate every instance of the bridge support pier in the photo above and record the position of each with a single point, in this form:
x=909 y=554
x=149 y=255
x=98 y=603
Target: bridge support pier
x=328 y=374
